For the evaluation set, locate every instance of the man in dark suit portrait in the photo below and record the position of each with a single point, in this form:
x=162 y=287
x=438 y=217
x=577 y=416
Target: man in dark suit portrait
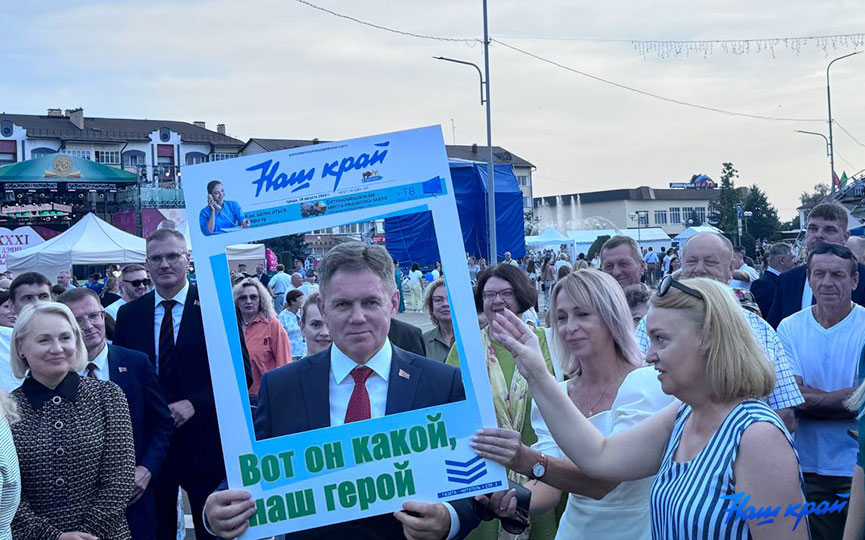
x=165 y=324
x=151 y=420
x=827 y=223
x=361 y=376
x=780 y=259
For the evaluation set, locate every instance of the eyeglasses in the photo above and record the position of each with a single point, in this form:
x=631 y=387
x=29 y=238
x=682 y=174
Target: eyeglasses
x=835 y=249
x=506 y=294
x=170 y=258
x=92 y=318
x=669 y=282
x=139 y=282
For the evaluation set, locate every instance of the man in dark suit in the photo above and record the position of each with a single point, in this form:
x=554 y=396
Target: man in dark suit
x=780 y=259
x=361 y=376
x=166 y=325
x=151 y=420
x=407 y=337
x=827 y=223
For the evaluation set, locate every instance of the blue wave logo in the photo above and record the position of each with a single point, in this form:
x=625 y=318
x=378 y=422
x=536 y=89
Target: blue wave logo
x=466 y=472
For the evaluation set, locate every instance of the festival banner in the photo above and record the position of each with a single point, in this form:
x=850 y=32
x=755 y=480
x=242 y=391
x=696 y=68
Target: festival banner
x=16 y=240
x=361 y=469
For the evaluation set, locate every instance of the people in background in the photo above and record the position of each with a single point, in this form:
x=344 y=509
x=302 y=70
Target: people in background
x=743 y=273
x=110 y=291
x=29 y=288
x=637 y=296
x=265 y=337
x=289 y=317
x=621 y=258
x=415 y=276
x=279 y=284
x=7 y=314
x=64 y=279
x=313 y=326
x=440 y=338
x=86 y=418
x=780 y=259
x=134 y=283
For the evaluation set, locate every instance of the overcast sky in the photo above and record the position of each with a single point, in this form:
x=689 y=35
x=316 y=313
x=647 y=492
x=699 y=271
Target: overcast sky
x=281 y=69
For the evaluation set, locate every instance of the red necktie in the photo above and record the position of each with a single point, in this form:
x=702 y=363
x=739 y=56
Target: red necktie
x=358 y=404
x=91 y=370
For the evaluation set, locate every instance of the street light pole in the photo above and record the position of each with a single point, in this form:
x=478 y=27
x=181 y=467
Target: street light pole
x=829 y=104
x=819 y=135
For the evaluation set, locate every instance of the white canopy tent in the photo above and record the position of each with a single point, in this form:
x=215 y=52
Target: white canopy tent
x=90 y=241
x=683 y=236
x=550 y=237
x=583 y=239
x=650 y=237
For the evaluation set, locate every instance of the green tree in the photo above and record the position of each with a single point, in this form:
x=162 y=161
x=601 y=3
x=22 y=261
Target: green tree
x=808 y=200
x=722 y=208
x=288 y=248
x=763 y=222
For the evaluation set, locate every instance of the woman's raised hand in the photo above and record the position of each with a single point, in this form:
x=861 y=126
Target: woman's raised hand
x=516 y=336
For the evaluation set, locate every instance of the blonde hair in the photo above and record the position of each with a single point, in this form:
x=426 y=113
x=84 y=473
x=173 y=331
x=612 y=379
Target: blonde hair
x=600 y=293
x=265 y=302
x=736 y=366
x=23 y=327
x=856 y=400
x=427 y=298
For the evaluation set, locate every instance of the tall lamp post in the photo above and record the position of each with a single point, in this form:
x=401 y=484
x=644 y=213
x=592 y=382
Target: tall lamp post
x=829 y=104
x=491 y=173
x=638 y=215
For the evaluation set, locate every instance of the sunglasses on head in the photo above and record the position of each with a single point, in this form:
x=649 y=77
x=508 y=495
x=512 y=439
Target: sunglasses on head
x=835 y=249
x=138 y=282
x=669 y=282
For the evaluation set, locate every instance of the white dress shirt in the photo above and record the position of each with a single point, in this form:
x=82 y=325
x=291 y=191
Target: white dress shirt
x=341 y=385
x=101 y=362
x=176 y=314
x=114 y=308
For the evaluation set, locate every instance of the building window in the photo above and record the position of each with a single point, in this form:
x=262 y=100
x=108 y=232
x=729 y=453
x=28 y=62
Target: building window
x=83 y=154
x=523 y=181
x=221 y=156
x=194 y=158
x=108 y=157
x=527 y=202
x=6 y=158
x=701 y=214
x=675 y=217
x=660 y=217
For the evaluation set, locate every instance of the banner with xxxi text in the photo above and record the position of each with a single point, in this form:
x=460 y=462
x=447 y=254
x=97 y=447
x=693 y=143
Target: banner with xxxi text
x=346 y=472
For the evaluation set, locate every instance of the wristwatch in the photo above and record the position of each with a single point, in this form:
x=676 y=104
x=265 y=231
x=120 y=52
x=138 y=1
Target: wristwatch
x=539 y=469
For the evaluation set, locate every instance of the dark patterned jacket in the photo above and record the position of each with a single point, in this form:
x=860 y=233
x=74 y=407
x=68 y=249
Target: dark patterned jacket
x=77 y=459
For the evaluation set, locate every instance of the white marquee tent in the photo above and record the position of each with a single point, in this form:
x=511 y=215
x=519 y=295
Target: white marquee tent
x=691 y=231
x=93 y=241
x=90 y=241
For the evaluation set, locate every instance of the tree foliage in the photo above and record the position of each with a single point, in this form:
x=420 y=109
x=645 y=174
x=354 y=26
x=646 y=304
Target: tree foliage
x=722 y=208
x=596 y=246
x=763 y=222
x=288 y=248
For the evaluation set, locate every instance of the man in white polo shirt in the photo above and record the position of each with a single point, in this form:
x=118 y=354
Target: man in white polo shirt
x=824 y=343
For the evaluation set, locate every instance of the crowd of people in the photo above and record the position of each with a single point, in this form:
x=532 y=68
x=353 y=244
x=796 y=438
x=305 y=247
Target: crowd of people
x=641 y=397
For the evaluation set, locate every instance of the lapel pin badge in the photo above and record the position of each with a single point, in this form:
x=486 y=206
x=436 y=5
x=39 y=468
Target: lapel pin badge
x=195 y=303
x=404 y=374
x=121 y=369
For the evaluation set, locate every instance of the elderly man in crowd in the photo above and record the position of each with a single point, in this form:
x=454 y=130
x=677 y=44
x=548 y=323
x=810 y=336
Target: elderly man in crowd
x=151 y=420
x=827 y=223
x=64 y=279
x=621 y=258
x=134 y=284
x=358 y=298
x=824 y=343
x=279 y=284
x=710 y=255
x=743 y=274
x=780 y=259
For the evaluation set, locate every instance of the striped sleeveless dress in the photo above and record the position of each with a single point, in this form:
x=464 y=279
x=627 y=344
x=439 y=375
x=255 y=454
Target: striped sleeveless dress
x=686 y=497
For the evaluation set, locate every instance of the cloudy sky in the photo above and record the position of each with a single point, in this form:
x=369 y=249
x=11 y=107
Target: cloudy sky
x=281 y=69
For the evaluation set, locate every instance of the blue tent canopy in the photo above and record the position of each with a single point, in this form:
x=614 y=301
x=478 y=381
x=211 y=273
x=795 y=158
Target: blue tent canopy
x=411 y=238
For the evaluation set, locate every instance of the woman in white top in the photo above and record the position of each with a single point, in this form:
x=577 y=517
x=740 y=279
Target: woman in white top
x=414 y=278
x=592 y=325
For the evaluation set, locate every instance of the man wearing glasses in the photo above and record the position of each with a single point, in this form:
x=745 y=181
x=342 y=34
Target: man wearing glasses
x=134 y=284
x=824 y=342
x=151 y=420
x=166 y=325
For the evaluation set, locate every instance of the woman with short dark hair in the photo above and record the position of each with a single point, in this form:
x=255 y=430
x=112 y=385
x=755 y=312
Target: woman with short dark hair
x=505 y=287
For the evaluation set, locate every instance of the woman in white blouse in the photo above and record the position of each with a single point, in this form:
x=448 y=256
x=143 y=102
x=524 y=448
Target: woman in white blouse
x=608 y=383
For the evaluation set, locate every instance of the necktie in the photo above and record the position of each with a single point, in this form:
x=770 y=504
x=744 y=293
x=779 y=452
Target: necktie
x=166 y=339
x=358 y=404
x=91 y=370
